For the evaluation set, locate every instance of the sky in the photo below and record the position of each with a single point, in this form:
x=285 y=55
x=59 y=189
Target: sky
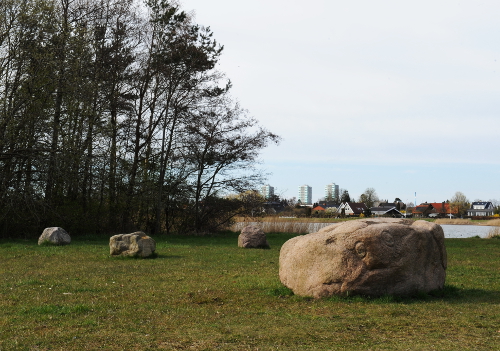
x=402 y=97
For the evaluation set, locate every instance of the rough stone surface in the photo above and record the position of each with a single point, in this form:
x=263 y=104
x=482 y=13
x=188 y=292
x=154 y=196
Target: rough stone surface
x=368 y=257
x=134 y=244
x=252 y=237
x=54 y=235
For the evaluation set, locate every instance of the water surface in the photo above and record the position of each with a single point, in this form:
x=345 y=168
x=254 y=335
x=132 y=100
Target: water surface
x=465 y=231
x=450 y=230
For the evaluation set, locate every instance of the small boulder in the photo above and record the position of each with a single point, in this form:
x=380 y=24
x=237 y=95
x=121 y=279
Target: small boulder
x=55 y=236
x=252 y=237
x=134 y=244
x=367 y=257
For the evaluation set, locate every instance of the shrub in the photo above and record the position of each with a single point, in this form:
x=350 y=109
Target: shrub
x=494 y=233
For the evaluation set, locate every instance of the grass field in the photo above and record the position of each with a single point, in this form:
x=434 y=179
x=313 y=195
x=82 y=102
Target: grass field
x=205 y=293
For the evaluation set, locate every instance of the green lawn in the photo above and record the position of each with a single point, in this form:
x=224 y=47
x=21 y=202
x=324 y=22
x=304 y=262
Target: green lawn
x=205 y=293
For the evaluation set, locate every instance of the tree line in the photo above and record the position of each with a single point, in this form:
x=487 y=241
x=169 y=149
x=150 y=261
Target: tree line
x=114 y=117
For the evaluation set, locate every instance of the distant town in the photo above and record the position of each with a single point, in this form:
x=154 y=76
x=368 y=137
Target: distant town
x=338 y=203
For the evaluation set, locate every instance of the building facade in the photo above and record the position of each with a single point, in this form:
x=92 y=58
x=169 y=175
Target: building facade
x=267 y=191
x=481 y=209
x=352 y=208
x=305 y=195
x=331 y=192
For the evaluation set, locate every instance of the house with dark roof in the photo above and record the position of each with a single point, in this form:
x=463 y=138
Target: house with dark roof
x=481 y=209
x=353 y=208
x=386 y=204
x=327 y=204
x=386 y=212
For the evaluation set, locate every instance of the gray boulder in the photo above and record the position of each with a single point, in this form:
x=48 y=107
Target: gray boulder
x=55 y=236
x=252 y=237
x=134 y=244
x=368 y=257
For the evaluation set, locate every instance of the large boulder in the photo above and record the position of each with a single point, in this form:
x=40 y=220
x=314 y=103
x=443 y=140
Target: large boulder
x=55 y=236
x=367 y=257
x=252 y=237
x=134 y=244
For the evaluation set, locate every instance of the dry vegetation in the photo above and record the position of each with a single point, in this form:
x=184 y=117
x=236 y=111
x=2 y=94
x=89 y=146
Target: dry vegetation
x=467 y=221
x=494 y=233
x=453 y=221
x=275 y=224
x=493 y=222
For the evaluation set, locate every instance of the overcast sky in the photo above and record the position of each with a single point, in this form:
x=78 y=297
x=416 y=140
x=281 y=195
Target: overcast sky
x=399 y=96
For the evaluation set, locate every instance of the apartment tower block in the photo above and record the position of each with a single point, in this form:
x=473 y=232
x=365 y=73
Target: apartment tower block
x=305 y=195
x=267 y=191
x=332 y=192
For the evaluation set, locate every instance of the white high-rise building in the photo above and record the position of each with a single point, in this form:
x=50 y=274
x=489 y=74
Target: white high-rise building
x=331 y=192
x=305 y=194
x=267 y=191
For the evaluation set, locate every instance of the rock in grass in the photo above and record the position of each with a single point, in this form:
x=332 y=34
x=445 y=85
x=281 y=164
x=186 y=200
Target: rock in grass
x=55 y=236
x=366 y=257
x=134 y=244
x=252 y=237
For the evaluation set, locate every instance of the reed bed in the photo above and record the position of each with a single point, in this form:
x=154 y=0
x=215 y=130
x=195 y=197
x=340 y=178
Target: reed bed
x=493 y=222
x=494 y=233
x=453 y=221
x=281 y=225
x=275 y=227
x=311 y=225
x=294 y=219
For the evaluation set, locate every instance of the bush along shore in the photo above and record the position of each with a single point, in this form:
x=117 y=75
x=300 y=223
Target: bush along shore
x=311 y=225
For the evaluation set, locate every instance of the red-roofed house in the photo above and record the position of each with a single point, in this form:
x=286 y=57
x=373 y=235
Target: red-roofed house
x=422 y=210
x=441 y=209
x=319 y=208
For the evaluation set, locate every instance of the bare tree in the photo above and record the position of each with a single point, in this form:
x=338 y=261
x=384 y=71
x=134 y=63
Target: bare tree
x=113 y=118
x=223 y=145
x=459 y=203
x=344 y=196
x=369 y=197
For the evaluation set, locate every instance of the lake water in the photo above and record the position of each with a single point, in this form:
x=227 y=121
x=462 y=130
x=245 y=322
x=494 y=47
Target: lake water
x=450 y=230
x=465 y=231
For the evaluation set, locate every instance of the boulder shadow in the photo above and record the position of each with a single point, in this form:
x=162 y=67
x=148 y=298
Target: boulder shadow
x=463 y=295
x=167 y=257
x=449 y=294
x=453 y=295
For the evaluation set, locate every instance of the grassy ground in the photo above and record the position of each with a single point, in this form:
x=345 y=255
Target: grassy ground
x=204 y=293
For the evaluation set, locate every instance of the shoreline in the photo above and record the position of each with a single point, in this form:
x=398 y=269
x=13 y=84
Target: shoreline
x=279 y=220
